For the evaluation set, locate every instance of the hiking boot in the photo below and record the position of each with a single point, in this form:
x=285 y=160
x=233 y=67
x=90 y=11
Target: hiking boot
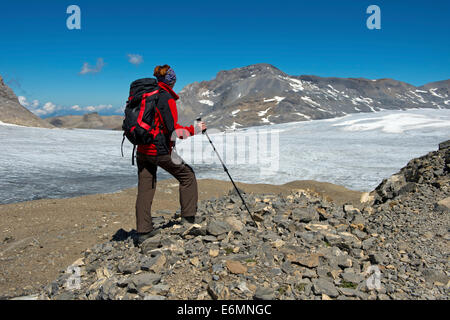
x=188 y=220
x=141 y=237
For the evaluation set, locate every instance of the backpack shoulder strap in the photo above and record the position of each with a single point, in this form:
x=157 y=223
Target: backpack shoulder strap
x=132 y=154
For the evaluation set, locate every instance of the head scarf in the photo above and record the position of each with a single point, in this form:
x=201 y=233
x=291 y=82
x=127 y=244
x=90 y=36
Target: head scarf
x=169 y=78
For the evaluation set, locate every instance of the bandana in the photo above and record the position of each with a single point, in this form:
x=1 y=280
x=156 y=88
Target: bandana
x=169 y=78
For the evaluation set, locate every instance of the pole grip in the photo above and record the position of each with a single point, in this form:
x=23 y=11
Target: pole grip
x=200 y=119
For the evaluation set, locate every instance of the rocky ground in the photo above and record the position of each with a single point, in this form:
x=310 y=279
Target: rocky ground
x=304 y=246
x=41 y=237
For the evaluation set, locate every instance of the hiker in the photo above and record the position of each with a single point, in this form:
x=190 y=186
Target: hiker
x=158 y=154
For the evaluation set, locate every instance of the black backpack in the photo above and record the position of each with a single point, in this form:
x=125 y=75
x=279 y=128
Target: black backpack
x=139 y=121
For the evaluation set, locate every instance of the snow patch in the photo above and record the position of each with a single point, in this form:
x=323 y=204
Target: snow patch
x=296 y=85
x=418 y=96
x=9 y=124
x=303 y=115
x=234 y=125
x=394 y=123
x=332 y=88
x=208 y=102
x=276 y=98
x=362 y=100
x=263 y=113
x=433 y=92
x=309 y=101
x=436 y=105
x=205 y=93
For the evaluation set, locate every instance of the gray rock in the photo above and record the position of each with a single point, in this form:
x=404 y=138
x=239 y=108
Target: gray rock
x=324 y=286
x=443 y=205
x=360 y=234
x=305 y=215
x=153 y=264
x=127 y=267
x=376 y=258
x=358 y=219
x=350 y=211
x=286 y=267
x=66 y=295
x=195 y=230
x=263 y=293
x=144 y=279
x=218 y=290
x=347 y=292
x=351 y=277
x=369 y=243
x=216 y=268
x=209 y=238
x=344 y=261
x=52 y=289
x=217 y=227
x=432 y=275
x=392 y=187
x=154 y=297
x=151 y=244
x=444 y=145
x=276 y=271
x=308 y=273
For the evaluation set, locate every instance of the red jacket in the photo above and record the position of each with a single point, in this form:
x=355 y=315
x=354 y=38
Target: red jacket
x=166 y=122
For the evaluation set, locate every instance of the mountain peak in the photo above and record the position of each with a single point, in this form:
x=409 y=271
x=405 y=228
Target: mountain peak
x=261 y=94
x=249 y=71
x=11 y=111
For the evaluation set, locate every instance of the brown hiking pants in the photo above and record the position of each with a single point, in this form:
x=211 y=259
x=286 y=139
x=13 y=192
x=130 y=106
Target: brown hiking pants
x=147 y=166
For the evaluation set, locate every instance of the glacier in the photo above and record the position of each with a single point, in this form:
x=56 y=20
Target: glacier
x=356 y=151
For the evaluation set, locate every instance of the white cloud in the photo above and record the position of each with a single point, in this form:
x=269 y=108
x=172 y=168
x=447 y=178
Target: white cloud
x=48 y=108
x=36 y=108
x=89 y=69
x=98 y=108
x=135 y=59
x=23 y=101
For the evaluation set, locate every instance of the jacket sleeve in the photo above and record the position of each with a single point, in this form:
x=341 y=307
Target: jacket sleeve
x=169 y=113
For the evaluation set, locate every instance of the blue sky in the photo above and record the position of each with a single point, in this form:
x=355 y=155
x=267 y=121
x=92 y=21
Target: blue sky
x=41 y=59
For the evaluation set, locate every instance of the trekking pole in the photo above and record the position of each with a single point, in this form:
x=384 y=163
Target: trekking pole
x=229 y=176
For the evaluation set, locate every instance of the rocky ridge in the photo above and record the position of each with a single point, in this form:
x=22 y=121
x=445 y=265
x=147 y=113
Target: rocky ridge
x=394 y=246
x=88 y=121
x=12 y=112
x=262 y=94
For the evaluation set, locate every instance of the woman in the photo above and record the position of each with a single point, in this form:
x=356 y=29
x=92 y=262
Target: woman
x=150 y=157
